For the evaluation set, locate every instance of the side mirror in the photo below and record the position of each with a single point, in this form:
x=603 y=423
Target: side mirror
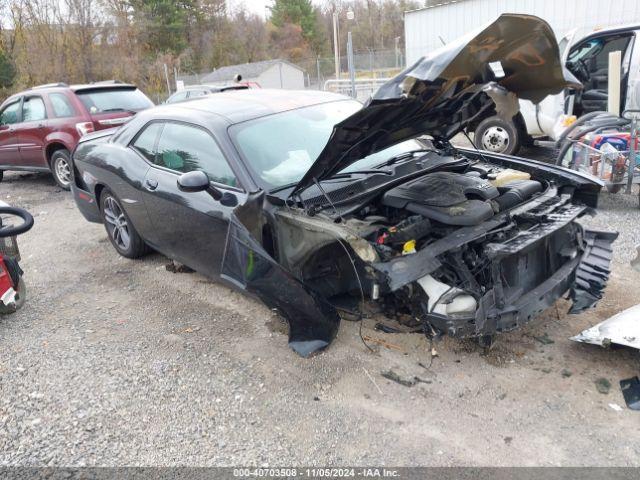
x=197 y=181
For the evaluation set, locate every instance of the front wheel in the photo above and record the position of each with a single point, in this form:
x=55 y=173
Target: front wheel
x=61 y=168
x=122 y=234
x=497 y=135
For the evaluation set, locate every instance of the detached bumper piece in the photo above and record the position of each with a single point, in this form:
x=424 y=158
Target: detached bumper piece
x=593 y=271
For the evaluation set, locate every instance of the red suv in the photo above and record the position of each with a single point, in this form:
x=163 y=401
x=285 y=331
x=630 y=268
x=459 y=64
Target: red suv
x=40 y=127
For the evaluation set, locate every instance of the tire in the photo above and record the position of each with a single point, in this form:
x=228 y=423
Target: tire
x=21 y=296
x=61 y=168
x=496 y=135
x=122 y=234
x=1 y=175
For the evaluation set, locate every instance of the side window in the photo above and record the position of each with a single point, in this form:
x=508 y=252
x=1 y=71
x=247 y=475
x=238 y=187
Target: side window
x=146 y=141
x=185 y=148
x=178 y=97
x=196 y=93
x=602 y=58
x=33 y=109
x=61 y=105
x=9 y=115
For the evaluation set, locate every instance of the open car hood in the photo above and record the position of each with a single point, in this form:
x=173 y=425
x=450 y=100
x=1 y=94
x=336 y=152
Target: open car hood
x=516 y=56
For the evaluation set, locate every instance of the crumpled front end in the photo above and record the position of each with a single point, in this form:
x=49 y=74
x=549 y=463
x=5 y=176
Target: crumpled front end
x=506 y=306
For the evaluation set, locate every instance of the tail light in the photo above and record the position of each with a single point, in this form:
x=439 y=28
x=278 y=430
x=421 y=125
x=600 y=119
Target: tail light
x=84 y=128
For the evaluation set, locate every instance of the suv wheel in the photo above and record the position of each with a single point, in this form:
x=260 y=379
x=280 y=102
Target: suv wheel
x=61 y=168
x=122 y=234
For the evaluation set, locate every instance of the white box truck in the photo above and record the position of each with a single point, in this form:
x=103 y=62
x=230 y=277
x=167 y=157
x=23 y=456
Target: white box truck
x=587 y=58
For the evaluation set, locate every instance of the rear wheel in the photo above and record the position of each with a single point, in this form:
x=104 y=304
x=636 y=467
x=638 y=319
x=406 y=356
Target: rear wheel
x=121 y=232
x=21 y=296
x=497 y=135
x=61 y=168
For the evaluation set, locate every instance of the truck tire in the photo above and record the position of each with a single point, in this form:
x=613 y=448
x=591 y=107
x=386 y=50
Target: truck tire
x=497 y=135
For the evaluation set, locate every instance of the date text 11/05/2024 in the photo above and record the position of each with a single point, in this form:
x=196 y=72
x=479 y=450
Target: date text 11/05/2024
x=362 y=472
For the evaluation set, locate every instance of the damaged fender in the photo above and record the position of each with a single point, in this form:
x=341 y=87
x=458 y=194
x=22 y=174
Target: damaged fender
x=313 y=322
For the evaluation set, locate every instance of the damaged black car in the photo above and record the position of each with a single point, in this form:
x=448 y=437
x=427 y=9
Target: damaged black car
x=309 y=200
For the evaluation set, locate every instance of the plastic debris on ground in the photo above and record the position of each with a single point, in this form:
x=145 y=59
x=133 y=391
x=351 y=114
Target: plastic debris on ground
x=621 y=329
x=631 y=392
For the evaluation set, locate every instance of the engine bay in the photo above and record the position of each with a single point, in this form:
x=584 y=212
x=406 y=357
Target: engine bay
x=458 y=193
x=444 y=242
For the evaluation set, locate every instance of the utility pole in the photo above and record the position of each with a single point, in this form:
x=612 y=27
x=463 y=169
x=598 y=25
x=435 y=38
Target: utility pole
x=352 y=71
x=336 y=46
x=166 y=76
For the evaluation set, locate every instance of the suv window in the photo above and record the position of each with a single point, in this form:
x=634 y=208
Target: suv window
x=114 y=100
x=185 y=148
x=61 y=105
x=145 y=143
x=33 y=109
x=177 y=97
x=197 y=93
x=9 y=115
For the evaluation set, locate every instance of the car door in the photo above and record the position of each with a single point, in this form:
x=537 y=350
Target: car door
x=190 y=227
x=9 y=119
x=32 y=131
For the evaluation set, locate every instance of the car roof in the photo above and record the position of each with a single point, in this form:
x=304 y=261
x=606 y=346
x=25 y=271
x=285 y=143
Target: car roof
x=611 y=30
x=59 y=87
x=101 y=86
x=242 y=105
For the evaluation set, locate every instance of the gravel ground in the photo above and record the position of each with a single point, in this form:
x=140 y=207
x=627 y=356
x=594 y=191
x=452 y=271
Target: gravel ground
x=119 y=362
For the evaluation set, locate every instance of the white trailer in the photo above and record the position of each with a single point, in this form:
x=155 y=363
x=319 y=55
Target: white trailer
x=601 y=25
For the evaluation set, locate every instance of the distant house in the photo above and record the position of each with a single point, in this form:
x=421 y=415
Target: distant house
x=267 y=74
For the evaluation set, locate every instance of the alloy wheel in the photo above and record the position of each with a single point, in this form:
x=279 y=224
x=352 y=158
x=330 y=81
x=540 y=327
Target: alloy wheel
x=63 y=171
x=117 y=224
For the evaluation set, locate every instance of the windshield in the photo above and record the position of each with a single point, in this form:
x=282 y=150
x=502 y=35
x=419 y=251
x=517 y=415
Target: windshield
x=281 y=148
x=587 y=48
x=114 y=100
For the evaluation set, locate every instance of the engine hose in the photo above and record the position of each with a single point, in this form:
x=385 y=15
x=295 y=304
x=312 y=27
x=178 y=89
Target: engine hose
x=569 y=142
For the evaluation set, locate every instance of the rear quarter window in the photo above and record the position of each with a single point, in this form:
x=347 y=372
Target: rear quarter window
x=61 y=105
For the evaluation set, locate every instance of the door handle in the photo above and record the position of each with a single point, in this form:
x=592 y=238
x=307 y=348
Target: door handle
x=151 y=184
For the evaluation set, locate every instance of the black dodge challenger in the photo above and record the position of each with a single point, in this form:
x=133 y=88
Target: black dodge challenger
x=311 y=201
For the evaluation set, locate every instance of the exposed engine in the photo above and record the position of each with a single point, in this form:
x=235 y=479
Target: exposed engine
x=464 y=246
x=431 y=206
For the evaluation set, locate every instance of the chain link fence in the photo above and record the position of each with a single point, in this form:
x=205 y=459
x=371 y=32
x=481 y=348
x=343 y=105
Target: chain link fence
x=369 y=64
x=372 y=69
